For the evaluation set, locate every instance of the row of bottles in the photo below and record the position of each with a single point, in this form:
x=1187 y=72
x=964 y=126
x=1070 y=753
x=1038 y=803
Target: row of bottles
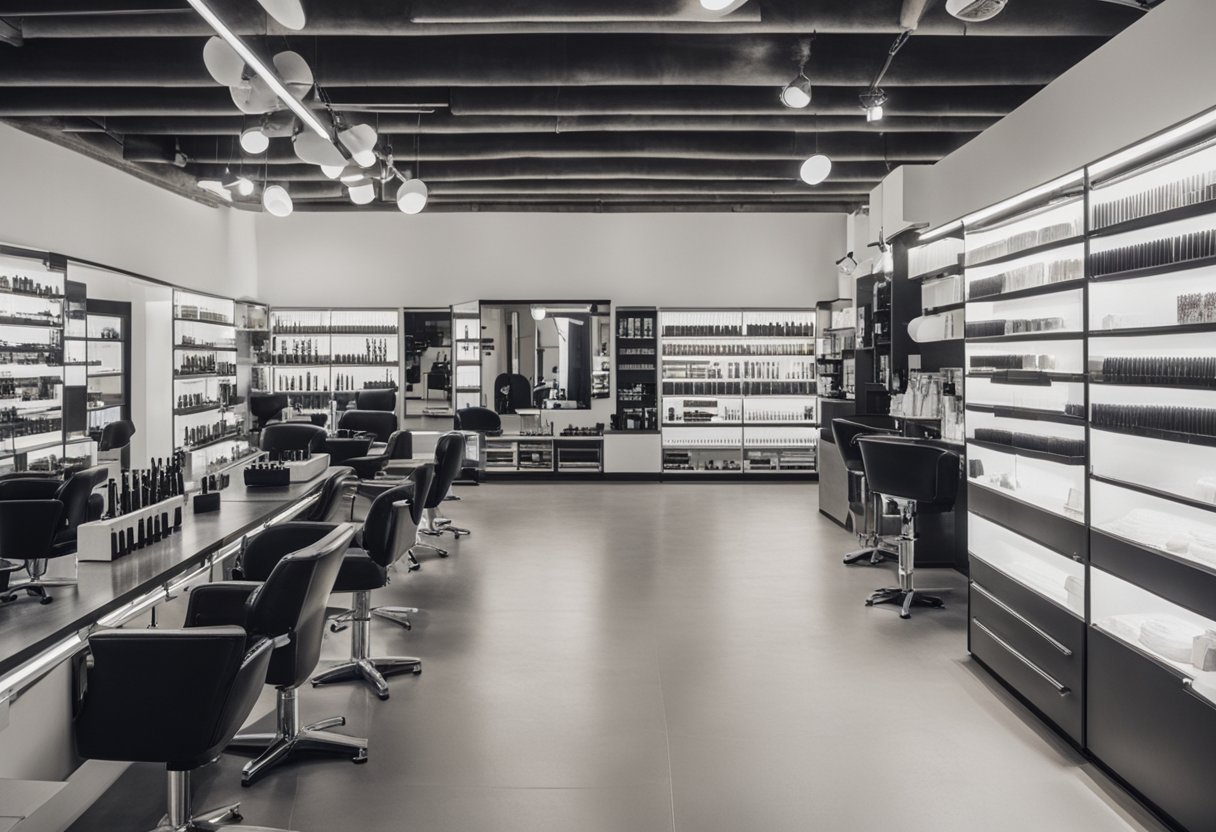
x=141 y=487
x=204 y=364
x=194 y=436
x=22 y=285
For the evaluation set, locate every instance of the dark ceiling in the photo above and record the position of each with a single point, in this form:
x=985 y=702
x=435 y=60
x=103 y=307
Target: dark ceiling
x=549 y=104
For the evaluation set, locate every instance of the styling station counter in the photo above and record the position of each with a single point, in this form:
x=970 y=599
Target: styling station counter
x=42 y=782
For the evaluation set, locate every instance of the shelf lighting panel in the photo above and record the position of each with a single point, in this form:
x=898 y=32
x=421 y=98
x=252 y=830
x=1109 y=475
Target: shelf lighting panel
x=1058 y=489
x=1054 y=576
x=1146 y=301
x=1191 y=225
x=1177 y=468
x=1177 y=530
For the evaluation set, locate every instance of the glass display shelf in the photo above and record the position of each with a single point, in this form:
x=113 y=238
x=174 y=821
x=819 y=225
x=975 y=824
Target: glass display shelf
x=1055 y=577
x=1174 y=469
x=1051 y=486
x=935 y=259
x=1042 y=228
x=1178 y=186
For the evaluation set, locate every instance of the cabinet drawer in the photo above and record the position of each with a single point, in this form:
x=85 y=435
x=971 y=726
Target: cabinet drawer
x=1063 y=660
x=1046 y=615
x=1055 y=700
x=1151 y=731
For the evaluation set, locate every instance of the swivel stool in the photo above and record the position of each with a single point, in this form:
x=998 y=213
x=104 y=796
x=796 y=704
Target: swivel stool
x=920 y=478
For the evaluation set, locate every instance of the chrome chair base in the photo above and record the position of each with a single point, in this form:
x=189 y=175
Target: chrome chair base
x=443 y=553
x=872 y=555
x=397 y=615
x=361 y=666
x=37 y=588
x=906 y=598
x=290 y=737
x=181 y=819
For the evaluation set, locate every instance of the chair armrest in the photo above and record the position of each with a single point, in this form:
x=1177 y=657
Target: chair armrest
x=29 y=489
x=341 y=449
x=219 y=604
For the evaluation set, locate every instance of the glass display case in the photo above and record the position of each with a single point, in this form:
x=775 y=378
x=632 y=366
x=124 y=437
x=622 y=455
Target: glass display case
x=739 y=391
x=637 y=371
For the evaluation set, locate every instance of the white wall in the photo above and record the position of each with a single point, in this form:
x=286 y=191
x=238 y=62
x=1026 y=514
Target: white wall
x=54 y=199
x=389 y=259
x=1155 y=73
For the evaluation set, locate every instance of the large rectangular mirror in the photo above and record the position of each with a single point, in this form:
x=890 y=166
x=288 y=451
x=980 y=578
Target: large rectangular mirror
x=552 y=355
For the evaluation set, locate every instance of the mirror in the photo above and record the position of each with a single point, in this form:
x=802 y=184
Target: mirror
x=428 y=354
x=545 y=354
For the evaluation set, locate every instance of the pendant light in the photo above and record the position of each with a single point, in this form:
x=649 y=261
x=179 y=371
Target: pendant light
x=413 y=193
x=360 y=140
x=277 y=201
x=363 y=193
x=254 y=141
x=815 y=169
x=288 y=13
x=797 y=93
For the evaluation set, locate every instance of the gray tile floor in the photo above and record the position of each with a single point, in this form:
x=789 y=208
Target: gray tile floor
x=643 y=657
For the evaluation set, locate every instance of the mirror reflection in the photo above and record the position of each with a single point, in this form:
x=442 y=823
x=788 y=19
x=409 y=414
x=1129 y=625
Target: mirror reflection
x=545 y=354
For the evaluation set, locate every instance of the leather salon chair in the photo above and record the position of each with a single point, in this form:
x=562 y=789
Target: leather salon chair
x=330 y=506
x=389 y=523
x=264 y=407
x=27 y=533
x=116 y=435
x=865 y=505
x=291 y=436
x=449 y=458
x=174 y=697
x=79 y=503
x=920 y=478
x=378 y=423
x=400 y=445
x=479 y=420
x=290 y=607
x=376 y=399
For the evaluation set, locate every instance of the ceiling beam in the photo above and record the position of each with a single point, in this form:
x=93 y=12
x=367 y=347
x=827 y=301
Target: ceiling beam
x=439 y=18
x=444 y=123
x=440 y=206
x=600 y=188
x=583 y=168
x=573 y=61
x=928 y=102
x=844 y=147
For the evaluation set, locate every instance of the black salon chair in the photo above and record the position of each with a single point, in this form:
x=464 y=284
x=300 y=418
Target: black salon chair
x=27 y=534
x=291 y=602
x=400 y=445
x=866 y=505
x=330 y=506
x=282 y=437
x=116 y=435
x=511 y=392
x=363 y=570
x=376 y=399
x=78 y=493
x=920 y=478
x=480 y=420
x=449 y=458
x=264 y=407
x=378 y=423
x=174 y=697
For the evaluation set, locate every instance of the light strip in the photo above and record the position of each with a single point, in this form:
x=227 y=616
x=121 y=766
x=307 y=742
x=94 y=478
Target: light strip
x=1150 y=146
x=305 y=115
x=1022 y=198
x=940 y=231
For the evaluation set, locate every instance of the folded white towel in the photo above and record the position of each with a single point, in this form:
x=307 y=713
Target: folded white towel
x=1121 y=627
x=1169 y=637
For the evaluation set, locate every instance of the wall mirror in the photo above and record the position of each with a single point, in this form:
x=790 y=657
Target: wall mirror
x=545 y=354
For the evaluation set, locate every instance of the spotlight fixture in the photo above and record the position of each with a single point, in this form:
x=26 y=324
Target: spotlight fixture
x=332 y=171
x=277 y=201
x=254 y=141
x=411 y=196
x=360 y=140
x=259 y=68
x=846 y=265
x=975 y=11
x=538 y=312
x=362 y=193
x=815 y=169
x=242 y=185
x=721 y=6
x=872 y=102
x=797 y=93
x=288 y=13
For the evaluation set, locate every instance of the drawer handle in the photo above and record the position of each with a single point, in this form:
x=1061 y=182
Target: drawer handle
x=1038 y=630
x=1060 y=689
x=1188 y=684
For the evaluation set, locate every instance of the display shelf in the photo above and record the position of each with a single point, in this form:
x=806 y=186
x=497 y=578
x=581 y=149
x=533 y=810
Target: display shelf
x=1045 y=456
x=1027 y=336
x=1181 y=471
x=1027 y=413
x=1032 y=378
x=1186 y=212
x=1141 y=331
x=949 y=307
x=1055 y=577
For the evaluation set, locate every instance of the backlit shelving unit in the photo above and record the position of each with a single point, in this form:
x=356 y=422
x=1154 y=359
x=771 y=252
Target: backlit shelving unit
x=1023 y=292
x=738 y=391
x=1152 y=421
x=320 y=358
x=637 y=371
x=32 y=364
x=209 y=423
